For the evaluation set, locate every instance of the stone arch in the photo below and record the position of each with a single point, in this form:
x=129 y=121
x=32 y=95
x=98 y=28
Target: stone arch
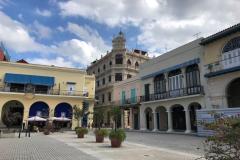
x=162 y=118
x=149 y=118
x=193 y=117
x=178 y=117
x=12 y=113
x=63 y=110
x=39 y=108
x=232 y=92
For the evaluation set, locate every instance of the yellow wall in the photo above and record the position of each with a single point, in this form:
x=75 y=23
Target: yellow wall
x=62 y=75
x=213 y=50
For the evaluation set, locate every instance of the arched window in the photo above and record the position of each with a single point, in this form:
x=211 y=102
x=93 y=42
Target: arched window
x=193 y=79
x=192 y=76
x=231 y=53
x=175 y=80
x=104 y=67
x=110 y=63
x=136 y=65
x=129 y=62
x=119 y=59
x=159 y=84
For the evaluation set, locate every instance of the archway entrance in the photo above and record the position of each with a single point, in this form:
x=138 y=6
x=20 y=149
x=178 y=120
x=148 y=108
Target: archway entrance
x=63 y=110
x=162 y=119
x=233 y=94
x=193 y=117
x=12 y=113
x=178 y=116
x=40 y=109
x=149 y=119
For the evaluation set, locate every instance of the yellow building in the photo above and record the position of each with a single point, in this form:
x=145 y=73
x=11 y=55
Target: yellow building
x=28 y=90
x=222 y=68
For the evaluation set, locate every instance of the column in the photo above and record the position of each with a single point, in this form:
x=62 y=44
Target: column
x=122 y=118
x=170 y=128
x=155 y=121
x=131 y=118
x=188 y=123
x=142 y=119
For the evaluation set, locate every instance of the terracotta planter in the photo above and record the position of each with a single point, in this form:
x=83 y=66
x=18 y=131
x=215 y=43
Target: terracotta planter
x=80 y=135
x=99 y=139
x=115 y=143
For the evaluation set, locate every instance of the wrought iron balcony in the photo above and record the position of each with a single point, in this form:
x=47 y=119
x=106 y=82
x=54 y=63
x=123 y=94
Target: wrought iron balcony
x=129 y=101
x=173 y=94
x=46 y=92
x=229 y=63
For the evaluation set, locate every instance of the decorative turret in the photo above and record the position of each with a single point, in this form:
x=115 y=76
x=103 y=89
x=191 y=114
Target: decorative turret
x=118 y=43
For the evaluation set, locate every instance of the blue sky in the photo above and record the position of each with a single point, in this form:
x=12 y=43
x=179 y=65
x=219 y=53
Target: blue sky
x=73 y=33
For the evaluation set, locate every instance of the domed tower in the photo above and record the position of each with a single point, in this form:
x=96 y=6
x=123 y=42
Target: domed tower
x=118 y=43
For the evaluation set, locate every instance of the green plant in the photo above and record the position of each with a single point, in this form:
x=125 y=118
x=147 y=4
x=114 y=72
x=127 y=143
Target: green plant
x=82 y=131
x=224 y=144
x=48 y=128
x=77 y=113
x=118 y=134
x=116 y=114
x=98 y=116
x=101 y=132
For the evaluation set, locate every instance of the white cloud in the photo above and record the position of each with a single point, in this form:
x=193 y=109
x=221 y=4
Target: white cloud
x=89 y=35
x=60 y=29
x=16 y=36
x=41 y=31
x=59 y=61
x=161 y=22
x=44 y=13
x=77 y=51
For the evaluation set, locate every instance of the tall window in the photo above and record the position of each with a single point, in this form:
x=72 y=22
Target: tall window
x=129 y=62
x=175 y=80
x=103 y=98
x=109 y=78
x=110 y=63
x=98 y=70
x=98 y=84
x=103 y=81
x=192 y=76
x=159 y=84
x=118 y=76
x=119 y=59
x=136 y=65
x=104 y=67
x=109 y=96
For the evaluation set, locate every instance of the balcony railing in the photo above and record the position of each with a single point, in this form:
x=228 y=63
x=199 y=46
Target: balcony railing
x=229 y=60
x=129 y=101
x=173 y=94
x=48 y=92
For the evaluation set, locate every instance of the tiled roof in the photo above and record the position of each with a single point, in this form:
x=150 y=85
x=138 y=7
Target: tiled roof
x=225 y=32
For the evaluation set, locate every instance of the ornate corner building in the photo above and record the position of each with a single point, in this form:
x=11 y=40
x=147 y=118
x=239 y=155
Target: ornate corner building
x=117 y=65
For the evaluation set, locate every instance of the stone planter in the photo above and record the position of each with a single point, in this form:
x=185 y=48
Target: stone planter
x=99 y=139
x=80 y=135
x=115 y=143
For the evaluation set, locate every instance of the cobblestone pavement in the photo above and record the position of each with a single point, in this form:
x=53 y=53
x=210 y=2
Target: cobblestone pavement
x=130 y=150
x=183 y=143
x=39 y=147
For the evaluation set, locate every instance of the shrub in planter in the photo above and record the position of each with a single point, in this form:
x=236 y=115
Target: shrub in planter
x=76 y=128
x=117 y=137
x=100 y=134
x=81 y=132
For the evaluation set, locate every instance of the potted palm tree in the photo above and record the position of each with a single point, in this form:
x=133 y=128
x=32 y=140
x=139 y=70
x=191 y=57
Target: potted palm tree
x=98 y=116
x=116 y=136
x=81 y=132
x=100 y=134
x=78 y=114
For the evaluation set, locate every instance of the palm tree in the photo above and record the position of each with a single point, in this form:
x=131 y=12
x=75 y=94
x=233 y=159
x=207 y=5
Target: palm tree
x=116 y=114
x=77 y=113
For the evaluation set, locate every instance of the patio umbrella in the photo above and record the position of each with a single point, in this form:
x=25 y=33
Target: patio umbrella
x=60 y=119
x=37 y=119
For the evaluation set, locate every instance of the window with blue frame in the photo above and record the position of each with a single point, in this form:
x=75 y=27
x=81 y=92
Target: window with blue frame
x=133 y=95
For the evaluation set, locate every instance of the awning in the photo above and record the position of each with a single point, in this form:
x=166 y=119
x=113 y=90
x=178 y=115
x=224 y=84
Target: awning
x=178 y=66
x=37 y=119
x=28 y=79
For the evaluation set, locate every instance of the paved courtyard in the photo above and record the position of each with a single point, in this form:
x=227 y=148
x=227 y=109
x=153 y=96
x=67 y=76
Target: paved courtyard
x=65 y=146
